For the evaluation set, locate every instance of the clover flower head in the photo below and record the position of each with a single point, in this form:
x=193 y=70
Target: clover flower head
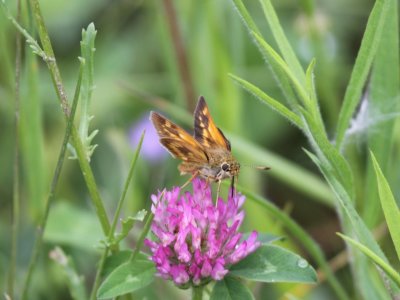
x=195 y=240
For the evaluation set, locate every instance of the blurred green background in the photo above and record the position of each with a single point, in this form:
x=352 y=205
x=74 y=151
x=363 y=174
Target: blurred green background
x=136 y=70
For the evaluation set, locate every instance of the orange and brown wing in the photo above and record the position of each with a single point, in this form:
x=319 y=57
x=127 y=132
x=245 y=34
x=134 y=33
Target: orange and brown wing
x=177 y=141
x=205 y=131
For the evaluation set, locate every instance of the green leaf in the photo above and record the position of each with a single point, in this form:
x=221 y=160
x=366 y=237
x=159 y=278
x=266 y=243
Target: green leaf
x=368 y=49
x=128 y=223
x=383 y=103
x=351 y=218
x=283 y=43
x=280 y=77
x=312 y=95
x=389 y=205
x=117 y=259
x=272 y=56
x=274 y=264
x=327 y=153
x=70 y=225
x=128 y=277
x=230 y=289
x=271 y=102
x=375 y=258
x=87 y=52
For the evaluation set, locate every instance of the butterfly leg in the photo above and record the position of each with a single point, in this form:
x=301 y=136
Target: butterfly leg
x=190 y=179
x=218 y=190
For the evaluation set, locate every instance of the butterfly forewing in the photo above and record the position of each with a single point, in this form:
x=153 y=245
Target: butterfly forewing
x=205 y=131
x=177 y=141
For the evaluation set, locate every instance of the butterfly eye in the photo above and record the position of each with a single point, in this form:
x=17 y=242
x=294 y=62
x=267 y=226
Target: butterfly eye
x=225 y=166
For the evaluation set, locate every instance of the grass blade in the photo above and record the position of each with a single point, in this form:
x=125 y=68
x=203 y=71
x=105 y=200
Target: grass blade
x=395 y=276
x=389 y=205
x=283 y=44
x=271 y=102
x=352 y=222
x=275 y=59
x=366 y=54
x=383 y=101
x=280 y=77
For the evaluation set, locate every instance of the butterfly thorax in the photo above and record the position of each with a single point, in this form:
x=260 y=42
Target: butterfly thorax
x=221 y=164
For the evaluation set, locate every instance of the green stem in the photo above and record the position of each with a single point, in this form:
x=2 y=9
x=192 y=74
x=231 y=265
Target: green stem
x=42 y=225
x=143 y=235
x=59 y=87
x=115 y=220
x=98 y=273
x=16 y=195
x=197 y=293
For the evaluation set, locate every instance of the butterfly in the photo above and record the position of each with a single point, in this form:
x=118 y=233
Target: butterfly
x=206 y=154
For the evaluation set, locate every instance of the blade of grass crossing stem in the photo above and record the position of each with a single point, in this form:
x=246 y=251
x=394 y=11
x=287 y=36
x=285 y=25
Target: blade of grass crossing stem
x=365 y=56
x=271 y=102
x=302 y=236
x=283 y=43
x=60 y=91
x=389 y=205
x=42 y=225
x=273 y=56
x=395 y=276
x=383 y=100
x=96 y=283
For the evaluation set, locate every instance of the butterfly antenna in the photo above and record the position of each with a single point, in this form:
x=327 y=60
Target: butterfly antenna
x=263 y=168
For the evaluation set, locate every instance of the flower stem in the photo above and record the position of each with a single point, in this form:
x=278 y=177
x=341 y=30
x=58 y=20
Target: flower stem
x=115 y=220
x=143 y=235
x=197 y=293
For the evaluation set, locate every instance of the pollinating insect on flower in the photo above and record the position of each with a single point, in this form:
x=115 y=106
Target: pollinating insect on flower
x=196 y=241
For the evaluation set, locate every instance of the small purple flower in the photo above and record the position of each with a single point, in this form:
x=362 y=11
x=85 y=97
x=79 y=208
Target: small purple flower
x=151 y=148
x=196 y=240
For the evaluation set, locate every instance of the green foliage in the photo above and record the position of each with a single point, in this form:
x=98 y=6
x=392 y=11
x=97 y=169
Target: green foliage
x=128 y=277
x=274 y=264
x=230 y=288
x=389 y=270
x=389 y=206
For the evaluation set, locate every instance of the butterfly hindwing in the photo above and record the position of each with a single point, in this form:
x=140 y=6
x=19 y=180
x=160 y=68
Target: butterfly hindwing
x=205 y=131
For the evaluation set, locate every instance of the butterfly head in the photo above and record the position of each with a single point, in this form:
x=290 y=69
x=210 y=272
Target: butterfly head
x=228 y=169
